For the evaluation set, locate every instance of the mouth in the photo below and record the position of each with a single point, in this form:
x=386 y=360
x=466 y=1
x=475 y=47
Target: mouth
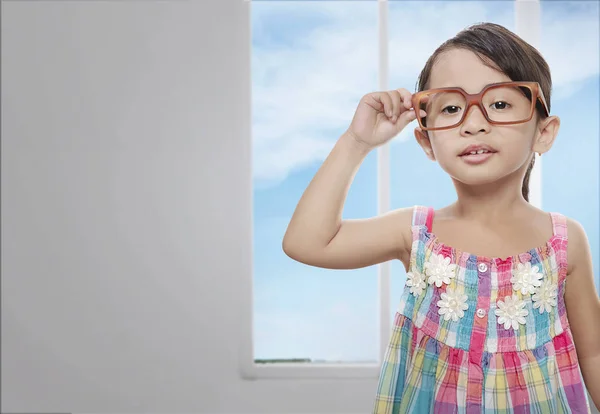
x=477 y=157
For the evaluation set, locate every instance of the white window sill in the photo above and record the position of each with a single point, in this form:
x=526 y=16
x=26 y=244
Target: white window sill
x=254 y=371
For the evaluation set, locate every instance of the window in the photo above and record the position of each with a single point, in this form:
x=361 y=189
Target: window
x=311 y=63
x=570 y=169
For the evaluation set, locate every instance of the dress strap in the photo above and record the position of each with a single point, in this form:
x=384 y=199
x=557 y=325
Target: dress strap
x=423 y=216
x=559 y=225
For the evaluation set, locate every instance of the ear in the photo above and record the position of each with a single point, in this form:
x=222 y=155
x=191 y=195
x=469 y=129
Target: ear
x=546 y=133
x=424 y=142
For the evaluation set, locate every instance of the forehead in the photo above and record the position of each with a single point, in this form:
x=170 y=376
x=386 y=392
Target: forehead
x=463 y=68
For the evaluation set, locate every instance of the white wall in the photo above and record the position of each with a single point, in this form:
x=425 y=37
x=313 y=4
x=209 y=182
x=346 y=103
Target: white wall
x=126 y=212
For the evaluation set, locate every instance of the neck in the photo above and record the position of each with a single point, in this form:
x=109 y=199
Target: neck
x=495 y=202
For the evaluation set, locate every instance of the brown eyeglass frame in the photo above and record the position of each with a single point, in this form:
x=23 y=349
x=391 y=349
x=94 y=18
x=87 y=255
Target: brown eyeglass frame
x=476 y=100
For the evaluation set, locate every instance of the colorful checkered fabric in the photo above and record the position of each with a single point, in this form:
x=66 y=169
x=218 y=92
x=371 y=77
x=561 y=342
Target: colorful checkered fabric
x=472 y=363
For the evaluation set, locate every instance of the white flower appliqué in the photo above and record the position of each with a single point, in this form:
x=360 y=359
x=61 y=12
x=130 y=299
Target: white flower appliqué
x=439 y=270
x=545 y=297
x=416 y=282
x=526 y=278
x=452 y=305
x=511 y=312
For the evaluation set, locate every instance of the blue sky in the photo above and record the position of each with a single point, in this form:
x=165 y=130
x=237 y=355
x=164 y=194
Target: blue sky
x=311 y=63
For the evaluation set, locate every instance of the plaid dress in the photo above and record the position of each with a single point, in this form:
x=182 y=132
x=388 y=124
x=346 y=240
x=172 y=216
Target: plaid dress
x=475 y=334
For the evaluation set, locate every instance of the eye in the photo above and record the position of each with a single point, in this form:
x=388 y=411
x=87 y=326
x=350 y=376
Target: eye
x=454 y=108
x=500 y=105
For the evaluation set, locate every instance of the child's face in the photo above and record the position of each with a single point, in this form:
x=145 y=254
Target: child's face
x=514 y=143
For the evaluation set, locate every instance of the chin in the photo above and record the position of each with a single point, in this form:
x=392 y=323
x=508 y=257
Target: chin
x=477 y=181
x=475 y=175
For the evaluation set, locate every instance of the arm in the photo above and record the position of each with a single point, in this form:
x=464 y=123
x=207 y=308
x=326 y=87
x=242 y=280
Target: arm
x=583 y=308
x=318 y=236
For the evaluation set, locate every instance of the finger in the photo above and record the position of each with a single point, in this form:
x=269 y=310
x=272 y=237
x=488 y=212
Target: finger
x=386 y=100
x=397 y=104
x=422 y=113
x=410 y=115
x=406 y=97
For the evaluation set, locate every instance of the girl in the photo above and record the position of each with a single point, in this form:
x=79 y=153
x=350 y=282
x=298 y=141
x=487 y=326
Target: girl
x=487 y=321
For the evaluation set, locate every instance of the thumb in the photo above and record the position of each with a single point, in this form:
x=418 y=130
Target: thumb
x=409 y=116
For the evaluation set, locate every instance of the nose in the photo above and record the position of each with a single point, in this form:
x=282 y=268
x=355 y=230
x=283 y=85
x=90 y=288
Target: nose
x=474 y=121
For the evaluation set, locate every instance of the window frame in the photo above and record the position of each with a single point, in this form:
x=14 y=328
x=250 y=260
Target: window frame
x=527 y=24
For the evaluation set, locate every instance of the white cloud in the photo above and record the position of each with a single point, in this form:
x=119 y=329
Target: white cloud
x=305 y=92
x=301 y=93
x=274 y=161
x=570 y=45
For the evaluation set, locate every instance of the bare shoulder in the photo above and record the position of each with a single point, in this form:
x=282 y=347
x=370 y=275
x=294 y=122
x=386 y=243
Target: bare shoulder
x=578 y=247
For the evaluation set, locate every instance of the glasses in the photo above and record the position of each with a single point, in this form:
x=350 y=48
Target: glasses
x=504 y=103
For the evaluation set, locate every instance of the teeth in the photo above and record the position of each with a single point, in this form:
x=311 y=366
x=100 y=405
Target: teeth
x=481 y=151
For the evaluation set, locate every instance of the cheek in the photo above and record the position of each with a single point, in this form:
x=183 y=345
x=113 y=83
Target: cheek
x=444 y=146
x=517 y=143
x=518 y=154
